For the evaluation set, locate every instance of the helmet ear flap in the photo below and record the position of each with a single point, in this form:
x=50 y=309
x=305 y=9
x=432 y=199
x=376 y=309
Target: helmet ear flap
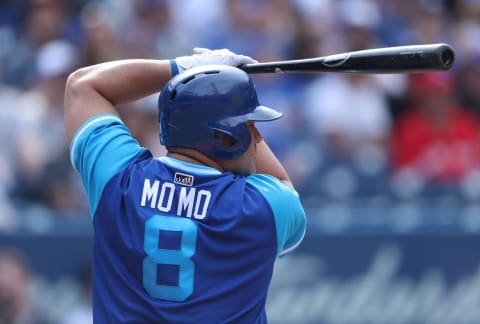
x=226 y=139
x=233 y=142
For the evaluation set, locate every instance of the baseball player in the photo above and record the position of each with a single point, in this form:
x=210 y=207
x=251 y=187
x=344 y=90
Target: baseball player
x=190 y=237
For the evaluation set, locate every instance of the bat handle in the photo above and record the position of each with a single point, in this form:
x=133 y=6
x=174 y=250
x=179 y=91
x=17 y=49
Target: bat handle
x=253 y=68
x=244 y=67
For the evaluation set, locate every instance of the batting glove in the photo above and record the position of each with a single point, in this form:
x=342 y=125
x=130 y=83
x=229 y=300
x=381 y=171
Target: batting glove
x=205 y=56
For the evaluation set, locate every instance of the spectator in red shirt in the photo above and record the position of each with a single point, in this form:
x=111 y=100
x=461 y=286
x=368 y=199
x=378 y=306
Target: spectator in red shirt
x=436 y=137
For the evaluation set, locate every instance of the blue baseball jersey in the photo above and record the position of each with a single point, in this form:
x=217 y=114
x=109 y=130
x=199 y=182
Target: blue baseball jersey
x=176 y=242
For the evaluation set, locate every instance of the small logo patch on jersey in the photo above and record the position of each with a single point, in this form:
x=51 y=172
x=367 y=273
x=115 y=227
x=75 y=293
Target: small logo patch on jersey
x=183 y=179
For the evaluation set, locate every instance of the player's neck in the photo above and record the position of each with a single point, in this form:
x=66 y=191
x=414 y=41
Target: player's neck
x=192 y=156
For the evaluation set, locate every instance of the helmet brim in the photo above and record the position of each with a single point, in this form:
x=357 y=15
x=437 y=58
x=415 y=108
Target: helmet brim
x=263 y=113
x=260 y=113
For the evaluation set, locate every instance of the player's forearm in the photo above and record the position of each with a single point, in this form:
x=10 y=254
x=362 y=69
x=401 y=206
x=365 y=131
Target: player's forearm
x=124 y=81
x=99 y=89
x=267 y=163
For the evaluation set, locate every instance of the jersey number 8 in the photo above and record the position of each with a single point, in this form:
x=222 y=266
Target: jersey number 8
x=157 y=256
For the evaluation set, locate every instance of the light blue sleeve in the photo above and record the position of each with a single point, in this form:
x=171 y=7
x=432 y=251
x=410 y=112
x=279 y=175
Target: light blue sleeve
x=290 y=219
x=100 y=148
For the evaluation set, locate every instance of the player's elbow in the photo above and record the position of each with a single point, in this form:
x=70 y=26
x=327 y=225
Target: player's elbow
x=77 y=86
x=76 y=80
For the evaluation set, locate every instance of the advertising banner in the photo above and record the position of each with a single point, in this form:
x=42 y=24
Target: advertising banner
x=379 y=279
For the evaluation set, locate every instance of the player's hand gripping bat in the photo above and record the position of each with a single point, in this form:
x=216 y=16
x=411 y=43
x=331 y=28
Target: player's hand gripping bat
x=398 y=59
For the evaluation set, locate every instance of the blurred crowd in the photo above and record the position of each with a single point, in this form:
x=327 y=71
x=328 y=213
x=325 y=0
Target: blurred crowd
x=344 y=136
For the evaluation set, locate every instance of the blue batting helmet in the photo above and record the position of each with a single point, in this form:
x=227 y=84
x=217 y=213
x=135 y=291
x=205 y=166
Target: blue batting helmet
x=207 y=99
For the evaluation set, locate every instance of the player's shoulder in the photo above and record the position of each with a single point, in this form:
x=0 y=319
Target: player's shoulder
x=287 y=209
x=273 y=190
x=268 y=184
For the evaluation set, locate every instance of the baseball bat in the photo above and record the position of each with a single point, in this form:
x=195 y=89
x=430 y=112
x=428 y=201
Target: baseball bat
x=397 y=59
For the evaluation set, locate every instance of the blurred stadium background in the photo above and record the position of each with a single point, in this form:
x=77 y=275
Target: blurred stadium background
x=388 y=165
